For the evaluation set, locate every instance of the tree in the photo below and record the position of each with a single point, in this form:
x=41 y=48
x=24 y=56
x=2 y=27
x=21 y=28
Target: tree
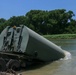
x=20 y=20
x=57 y=21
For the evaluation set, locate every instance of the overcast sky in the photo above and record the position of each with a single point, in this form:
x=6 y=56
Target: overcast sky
x=9 y=8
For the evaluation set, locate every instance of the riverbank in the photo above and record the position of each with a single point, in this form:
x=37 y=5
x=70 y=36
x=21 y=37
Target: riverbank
x=60 y=36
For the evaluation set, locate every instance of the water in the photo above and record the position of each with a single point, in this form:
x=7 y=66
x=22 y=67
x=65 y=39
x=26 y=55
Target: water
x=67 y=67
x=60 y=67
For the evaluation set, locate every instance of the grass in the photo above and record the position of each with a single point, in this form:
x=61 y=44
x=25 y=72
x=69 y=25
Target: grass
x=60 y=36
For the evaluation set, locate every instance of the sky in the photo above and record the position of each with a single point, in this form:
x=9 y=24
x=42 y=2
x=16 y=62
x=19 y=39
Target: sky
x=9 y=8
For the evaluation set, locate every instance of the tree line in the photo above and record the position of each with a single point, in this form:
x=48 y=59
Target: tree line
x=57 y=21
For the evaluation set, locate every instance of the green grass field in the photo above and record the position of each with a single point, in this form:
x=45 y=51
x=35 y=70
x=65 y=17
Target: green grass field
x=60 y=36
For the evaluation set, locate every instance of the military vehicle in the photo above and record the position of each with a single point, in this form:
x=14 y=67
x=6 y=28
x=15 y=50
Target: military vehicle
x=20 y=46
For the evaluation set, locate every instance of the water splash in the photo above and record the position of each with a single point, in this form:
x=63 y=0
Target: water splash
x=67 y=55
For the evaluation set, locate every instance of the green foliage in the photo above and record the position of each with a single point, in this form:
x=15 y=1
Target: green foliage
x=17 y=20
x=57 y=21
x=60 y=36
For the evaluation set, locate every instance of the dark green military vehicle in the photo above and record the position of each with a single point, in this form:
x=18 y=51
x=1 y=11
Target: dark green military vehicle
x=20 y=46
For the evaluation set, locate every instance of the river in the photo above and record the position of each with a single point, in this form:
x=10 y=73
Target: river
x=59 y=67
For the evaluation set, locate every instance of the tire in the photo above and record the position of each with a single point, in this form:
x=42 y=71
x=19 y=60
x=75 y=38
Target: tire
x=2 y=64
x=13 y=64
x=23 y=64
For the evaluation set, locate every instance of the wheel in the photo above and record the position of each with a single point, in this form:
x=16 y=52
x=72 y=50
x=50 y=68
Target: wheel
x=13 y=64
x=23 y=64
x=2 y=64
